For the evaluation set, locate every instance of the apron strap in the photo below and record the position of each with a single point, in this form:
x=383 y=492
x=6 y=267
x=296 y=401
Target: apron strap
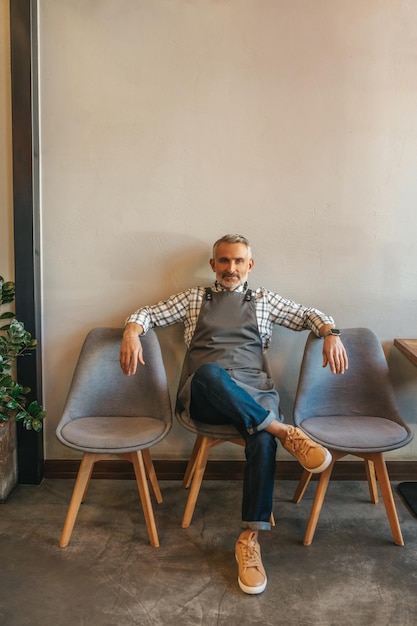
x=209 y=294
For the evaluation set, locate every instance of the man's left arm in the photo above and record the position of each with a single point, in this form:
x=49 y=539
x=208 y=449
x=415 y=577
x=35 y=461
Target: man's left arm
x=278 y=310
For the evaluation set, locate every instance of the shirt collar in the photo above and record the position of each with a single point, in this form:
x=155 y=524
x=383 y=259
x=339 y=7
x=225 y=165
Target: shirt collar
x=241 y=289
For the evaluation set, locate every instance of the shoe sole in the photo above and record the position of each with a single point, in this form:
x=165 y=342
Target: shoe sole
x=322 y=467
x=251 y=590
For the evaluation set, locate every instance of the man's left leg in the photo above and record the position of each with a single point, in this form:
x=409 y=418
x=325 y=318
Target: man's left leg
x=217 y=399
x=258 y=488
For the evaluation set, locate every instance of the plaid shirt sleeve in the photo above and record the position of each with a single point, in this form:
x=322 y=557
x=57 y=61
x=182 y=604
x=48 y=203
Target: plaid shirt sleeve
x=272 y=308
x=181 y=307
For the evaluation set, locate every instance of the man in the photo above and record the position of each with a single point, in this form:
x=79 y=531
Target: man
x=227 y=328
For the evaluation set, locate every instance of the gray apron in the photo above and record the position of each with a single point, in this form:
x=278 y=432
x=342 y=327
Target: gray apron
x=227 y=333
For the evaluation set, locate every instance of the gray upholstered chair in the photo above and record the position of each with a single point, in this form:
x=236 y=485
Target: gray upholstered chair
x=354 y=413
x=108 y=414
x=207 y=437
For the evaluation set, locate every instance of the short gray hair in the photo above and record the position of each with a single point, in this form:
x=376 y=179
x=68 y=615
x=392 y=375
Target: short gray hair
x=233 y=238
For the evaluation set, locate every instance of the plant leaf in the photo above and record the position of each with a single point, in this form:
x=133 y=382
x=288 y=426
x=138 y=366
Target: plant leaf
x=34 y=409
x=7 y=315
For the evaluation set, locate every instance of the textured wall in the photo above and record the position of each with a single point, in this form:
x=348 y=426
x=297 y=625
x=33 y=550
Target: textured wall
x=166 y=124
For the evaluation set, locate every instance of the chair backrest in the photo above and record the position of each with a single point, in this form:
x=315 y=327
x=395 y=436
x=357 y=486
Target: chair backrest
x=100 y=389
x=364 y=389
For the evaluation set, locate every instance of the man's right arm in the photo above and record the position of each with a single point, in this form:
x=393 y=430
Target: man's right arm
x=174 y=309
x=131 y=349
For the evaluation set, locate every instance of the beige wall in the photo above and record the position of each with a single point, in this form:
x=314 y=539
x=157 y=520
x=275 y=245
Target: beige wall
x=166 y=124
x=6 y=200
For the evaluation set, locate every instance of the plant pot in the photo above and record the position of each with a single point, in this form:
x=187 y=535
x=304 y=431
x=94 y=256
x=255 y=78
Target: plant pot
x=8 y=458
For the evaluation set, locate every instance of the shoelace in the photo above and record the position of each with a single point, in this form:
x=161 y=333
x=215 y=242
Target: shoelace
x=249 y=553
x=298 y=443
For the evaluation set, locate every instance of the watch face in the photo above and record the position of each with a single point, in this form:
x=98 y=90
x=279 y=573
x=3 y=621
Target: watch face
x=335 y=331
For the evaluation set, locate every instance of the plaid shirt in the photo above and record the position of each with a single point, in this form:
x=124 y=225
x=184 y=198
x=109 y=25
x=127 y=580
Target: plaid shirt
x=270 y=309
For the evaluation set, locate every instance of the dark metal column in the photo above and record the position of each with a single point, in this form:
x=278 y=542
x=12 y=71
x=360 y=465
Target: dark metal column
x=23 y=42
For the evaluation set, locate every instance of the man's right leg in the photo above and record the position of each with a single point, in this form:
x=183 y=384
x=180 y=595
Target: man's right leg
x=217 y=399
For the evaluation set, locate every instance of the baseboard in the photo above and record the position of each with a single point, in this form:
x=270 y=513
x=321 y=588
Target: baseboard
x=223 y=470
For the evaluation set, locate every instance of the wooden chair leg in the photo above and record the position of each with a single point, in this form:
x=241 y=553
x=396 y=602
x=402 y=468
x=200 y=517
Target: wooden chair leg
x=150 y=470
x=386 y=492
x=197 y=477
x=302 y=486
x=80 y=489
x=186 y=481
x=145 y=498
x=371 y=478
x=317 y=504
x=87 y=486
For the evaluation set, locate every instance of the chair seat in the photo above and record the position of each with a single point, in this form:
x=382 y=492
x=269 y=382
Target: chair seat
x=219 y=431
x=114 y=435
x=356 y=434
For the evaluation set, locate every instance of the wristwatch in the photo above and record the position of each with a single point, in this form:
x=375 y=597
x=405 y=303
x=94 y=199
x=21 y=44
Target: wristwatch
x=333 y=331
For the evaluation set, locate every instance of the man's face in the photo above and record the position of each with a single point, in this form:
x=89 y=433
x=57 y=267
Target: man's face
x=231 y=264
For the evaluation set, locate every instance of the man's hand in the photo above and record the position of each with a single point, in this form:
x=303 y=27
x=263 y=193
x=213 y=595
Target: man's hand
x=131 y=352
x=334 y=354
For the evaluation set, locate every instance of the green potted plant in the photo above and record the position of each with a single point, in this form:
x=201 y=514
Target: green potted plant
x=15 y=342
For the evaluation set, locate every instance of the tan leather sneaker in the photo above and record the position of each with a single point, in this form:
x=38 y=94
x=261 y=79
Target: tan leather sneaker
x=312 y=456
x=252 y=577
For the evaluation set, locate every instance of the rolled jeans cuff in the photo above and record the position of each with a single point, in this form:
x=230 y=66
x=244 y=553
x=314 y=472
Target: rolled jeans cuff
x=257 y=525
x=263 y=425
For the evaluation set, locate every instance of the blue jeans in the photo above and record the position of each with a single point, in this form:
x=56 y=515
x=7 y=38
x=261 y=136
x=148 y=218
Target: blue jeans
x=217 y=399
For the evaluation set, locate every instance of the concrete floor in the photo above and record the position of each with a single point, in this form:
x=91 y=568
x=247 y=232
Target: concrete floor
x=109 y=575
